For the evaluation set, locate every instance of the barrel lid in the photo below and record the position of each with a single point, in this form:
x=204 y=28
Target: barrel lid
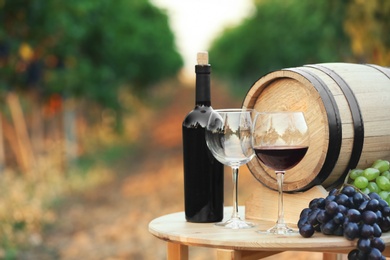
x=288 y=90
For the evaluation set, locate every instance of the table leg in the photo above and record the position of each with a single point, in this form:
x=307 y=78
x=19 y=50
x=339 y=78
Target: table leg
x=225 y=254
x=177 y=251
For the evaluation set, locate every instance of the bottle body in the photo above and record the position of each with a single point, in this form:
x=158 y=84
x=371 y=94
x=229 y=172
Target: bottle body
x=203 y=174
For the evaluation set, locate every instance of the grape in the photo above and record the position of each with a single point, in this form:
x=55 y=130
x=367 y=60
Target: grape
x=354 y=215
x=323 y=217
x=332 y=208
x=366 y=231
x=373 y=187
x=361 y=182
x=374 y=195
x=305 y=212
x=383 y=183
x=378 y=243
x=353 y=255
x=386 y=211
x=343 y=199
x=329 y=227
x=364 y=245
x=333 y=191
x=375 y=254
x=348 y=212
x=371 y=173
x=358 y=198
x=343 y=209
x=381 y=165
x=306 y=230
x=369 y=217
x=384 y=194
x=385 y=224
x=338 y=218
x=315 y=203
x=388 y=200
x=383 y=204
x=386 y=174
x=362 y=207
x=302 y=221
x=329 y=198
x=377 y=230
x=373 y=205
x=312 y=217
x=349 y=191
x=378 y=214
x=351 y=231
x=353 y=174
x=320 y=202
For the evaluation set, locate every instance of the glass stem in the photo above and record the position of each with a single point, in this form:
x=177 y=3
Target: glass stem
x=235 y=214
x=279 y=177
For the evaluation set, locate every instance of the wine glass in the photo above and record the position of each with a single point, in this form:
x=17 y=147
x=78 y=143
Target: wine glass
x=228 y=136
x=280 y=141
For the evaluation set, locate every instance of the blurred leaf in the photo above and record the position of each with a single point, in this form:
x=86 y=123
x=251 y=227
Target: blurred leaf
x=368 y=25
x=281 y=33
x=85 y=48
x=19 y=225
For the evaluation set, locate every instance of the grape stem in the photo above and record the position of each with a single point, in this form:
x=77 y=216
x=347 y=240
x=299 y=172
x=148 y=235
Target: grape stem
x=347 y=177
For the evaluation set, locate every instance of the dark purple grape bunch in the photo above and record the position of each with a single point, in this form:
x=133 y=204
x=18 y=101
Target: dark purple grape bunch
x=348 y=212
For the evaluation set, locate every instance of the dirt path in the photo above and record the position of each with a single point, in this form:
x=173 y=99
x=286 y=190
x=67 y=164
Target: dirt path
x=111 y=222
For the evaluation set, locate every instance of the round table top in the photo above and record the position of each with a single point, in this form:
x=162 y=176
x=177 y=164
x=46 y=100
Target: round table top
x=174 y=228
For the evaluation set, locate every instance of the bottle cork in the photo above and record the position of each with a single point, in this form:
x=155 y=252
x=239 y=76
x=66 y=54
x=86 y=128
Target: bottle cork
x=203 y=58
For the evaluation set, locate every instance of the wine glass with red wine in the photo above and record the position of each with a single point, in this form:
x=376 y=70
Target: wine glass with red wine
x=228 y=136
x=280 y=141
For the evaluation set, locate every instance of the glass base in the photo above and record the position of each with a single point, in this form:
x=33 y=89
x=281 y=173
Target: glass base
x=280 y=229
x=235 y=223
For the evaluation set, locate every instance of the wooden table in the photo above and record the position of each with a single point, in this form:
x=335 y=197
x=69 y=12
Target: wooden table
x=242 y=244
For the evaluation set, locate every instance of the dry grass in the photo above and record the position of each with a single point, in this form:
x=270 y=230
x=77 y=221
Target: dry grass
x=26 y=204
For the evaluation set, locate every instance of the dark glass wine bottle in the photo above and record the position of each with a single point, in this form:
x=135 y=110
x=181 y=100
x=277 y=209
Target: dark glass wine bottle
x=203 y=174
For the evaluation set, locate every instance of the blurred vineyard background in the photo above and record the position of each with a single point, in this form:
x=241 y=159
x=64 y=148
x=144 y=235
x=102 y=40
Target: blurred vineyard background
x=92 y=97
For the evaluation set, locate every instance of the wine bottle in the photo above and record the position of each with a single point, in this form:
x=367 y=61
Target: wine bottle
x=203 y=174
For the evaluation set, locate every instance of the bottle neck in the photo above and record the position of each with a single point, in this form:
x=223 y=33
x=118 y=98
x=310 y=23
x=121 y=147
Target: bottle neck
x=202 y=84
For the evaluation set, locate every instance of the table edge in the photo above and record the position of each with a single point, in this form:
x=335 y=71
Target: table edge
x=334 y=243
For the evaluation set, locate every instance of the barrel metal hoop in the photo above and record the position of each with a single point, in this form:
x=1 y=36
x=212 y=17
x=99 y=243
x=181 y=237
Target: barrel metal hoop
x=334 y=123
x=384 y=70
x=358 y=124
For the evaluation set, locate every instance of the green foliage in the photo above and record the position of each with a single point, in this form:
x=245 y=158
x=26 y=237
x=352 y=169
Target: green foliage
x=368 y=25
x=85 y=48
x=281 y=33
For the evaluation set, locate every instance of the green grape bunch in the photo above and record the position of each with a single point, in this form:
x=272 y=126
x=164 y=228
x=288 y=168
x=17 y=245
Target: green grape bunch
x=375 y=178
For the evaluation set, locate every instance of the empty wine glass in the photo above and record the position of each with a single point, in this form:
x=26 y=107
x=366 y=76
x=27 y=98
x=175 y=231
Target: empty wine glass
x=228 y=136
x=280 y=141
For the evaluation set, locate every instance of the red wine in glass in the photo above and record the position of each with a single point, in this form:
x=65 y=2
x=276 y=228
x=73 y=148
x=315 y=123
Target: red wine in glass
x=280 y=158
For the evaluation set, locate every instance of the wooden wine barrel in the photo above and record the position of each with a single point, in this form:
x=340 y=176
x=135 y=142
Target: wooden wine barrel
x=347 y=108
